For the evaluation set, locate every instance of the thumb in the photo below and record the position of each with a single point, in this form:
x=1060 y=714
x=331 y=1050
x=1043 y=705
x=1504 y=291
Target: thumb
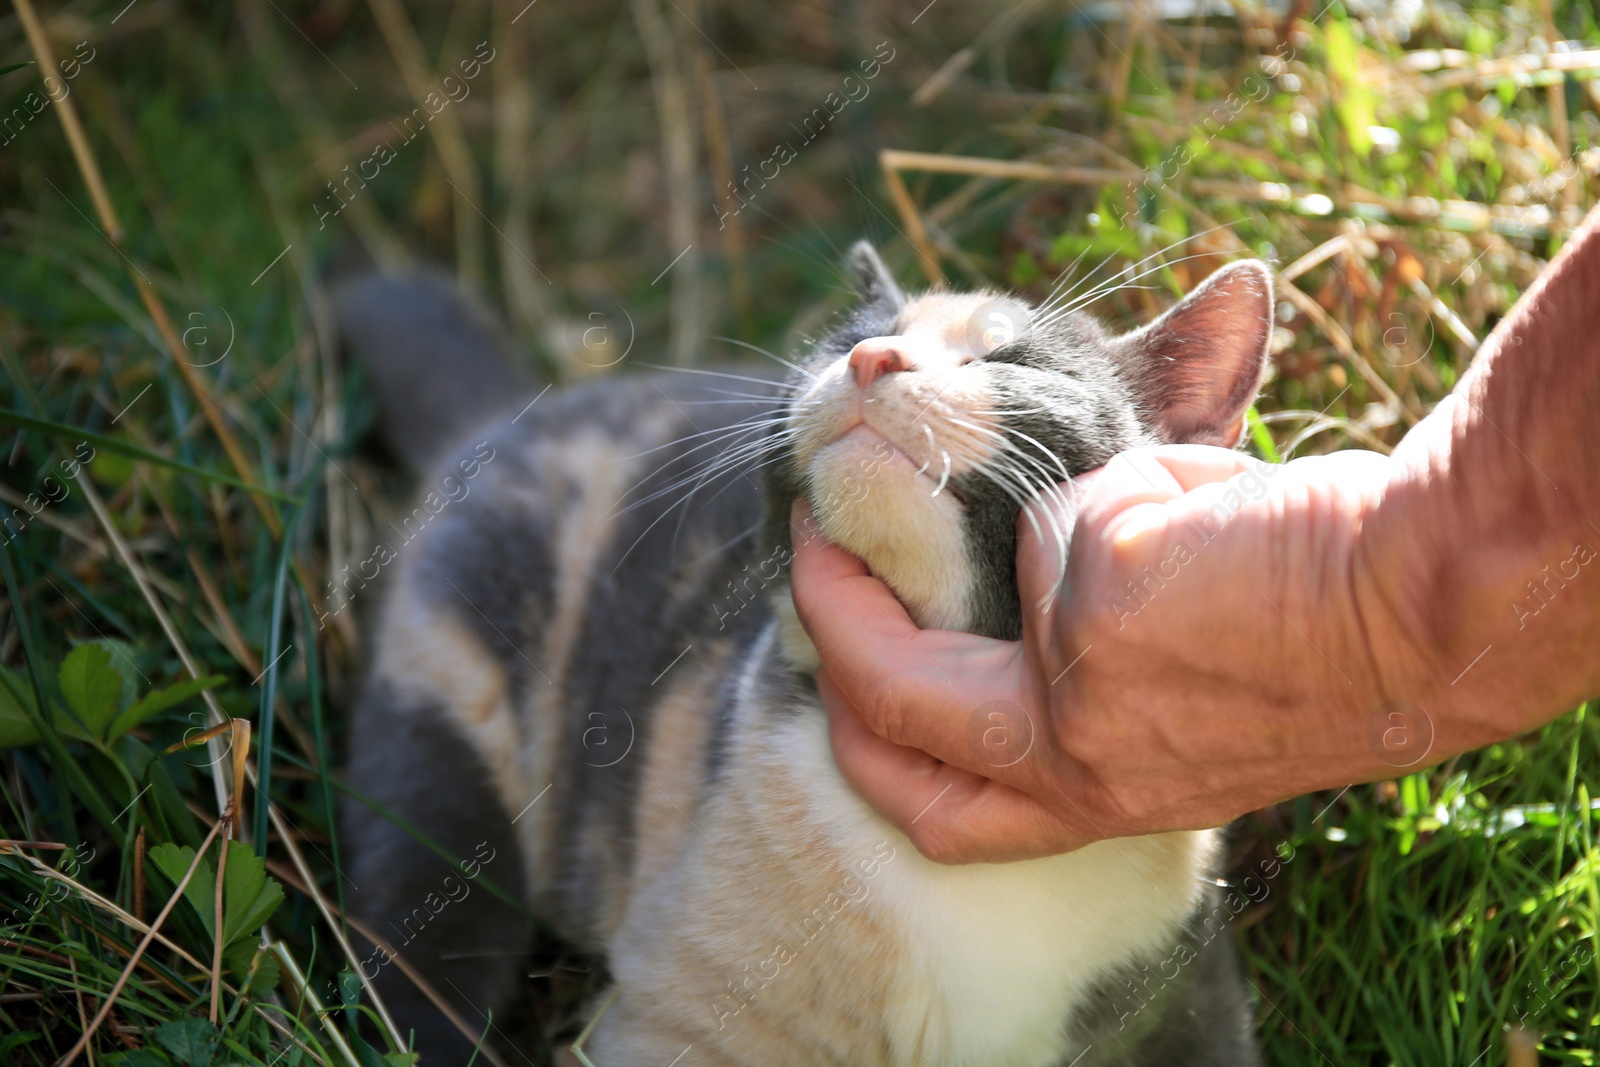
x=913 y=687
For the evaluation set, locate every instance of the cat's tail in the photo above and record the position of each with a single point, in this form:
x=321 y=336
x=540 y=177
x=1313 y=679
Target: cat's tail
x=439 y=362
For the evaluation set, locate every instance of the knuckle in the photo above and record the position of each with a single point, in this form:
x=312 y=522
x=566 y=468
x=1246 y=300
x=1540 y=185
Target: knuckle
x=885 y=713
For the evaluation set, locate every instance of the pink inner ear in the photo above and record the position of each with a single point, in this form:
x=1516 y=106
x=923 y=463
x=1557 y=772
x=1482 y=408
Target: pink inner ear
x=1199 y=365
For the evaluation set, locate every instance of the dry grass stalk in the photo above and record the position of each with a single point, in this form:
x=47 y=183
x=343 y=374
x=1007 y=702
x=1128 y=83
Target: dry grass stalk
x=133 y=961
x=77 y=995
x=216 y=949
x=916 y=228
x=240 y=748
x=722 y=177
x=44 y=56
x=664 y=50
x=130 y=561
x=1341 y=340
x=516 y=171
x=133 y=922
x=90 y=169
x=449 y=137
x=138 y=874
x=290 y=878
x=301 y=103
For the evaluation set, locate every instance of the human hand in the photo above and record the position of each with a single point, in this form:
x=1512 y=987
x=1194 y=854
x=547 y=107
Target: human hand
x=1218 y=644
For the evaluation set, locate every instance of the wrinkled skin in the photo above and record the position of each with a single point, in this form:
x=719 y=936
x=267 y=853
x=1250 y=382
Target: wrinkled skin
x=1341 y=589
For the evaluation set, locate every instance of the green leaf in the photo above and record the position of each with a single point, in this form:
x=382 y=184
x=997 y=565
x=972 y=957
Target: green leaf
x=236 y=958
x=249 y=897
x=10 y=1042
x=1355 y=102
x=265 y=979
x=368 y=1056
x=8 y=70
x=16 y=728
x=159 y=700
x=192 y=1041
x=172 y=861
x=91 y=687
x=122 y=657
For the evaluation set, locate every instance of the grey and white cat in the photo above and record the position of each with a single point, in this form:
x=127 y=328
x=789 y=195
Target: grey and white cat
x=588 y=683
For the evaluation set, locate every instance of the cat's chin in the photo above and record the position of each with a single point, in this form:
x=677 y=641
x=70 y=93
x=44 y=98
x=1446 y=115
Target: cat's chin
x=871 y=499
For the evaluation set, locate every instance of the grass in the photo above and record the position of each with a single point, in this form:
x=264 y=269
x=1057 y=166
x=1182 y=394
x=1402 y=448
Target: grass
x=1409 y=177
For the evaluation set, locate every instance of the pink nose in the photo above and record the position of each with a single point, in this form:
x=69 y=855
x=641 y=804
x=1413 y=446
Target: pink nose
x=877 y=356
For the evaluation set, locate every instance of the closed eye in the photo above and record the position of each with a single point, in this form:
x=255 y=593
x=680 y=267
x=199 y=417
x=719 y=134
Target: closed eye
x=1018 y=353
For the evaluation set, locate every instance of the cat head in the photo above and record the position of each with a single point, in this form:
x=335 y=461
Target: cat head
x=920 y=425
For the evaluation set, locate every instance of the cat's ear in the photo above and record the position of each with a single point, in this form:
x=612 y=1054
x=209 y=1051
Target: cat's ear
x=1198 y=366
x=872 y=279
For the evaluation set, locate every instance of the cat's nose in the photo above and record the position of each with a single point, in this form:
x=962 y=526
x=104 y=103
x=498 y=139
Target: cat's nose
x=876 y=356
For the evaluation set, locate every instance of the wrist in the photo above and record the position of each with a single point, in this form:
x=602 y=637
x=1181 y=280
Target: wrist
x=1475 y=584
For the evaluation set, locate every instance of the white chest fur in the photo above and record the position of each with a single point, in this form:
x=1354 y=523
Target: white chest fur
x=996 y=956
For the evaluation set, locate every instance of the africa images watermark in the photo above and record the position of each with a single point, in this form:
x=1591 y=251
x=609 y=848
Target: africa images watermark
x=1543 y=591
x=1143 y=987
x=14 y=524
x=854 y=89
x=1249 y=488
x=433 y=904
x=1255 y=88
x=412 y=125
x=851 y=890
x=454 y=489
x=55 y=91
x=852 y=489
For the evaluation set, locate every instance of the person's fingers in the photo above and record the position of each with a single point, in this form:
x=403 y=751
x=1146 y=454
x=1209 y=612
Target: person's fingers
x=913 y=687
x=1192 y=466
x=1127 y=499
x=950 y=814
x=842 y=606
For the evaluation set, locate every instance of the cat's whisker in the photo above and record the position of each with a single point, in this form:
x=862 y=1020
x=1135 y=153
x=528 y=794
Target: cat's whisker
x=944 y=476
x=1112 y=285
x=740 y=430
x=721 y=433
x=772 y=401
x=1001 y=440
x=749 y=396
x=715 y=472
x=705 y=469
x=1047 y=490
x=993 y=473
x=772 y=356
x=738 y=433
x=1132 y=266
x=1062 y=279
x=773 y=383
x=928 y=430
x=732 y=453
x=1087 y=278
x=1050 y=456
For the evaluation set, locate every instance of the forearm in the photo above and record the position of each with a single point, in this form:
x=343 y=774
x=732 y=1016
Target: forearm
x=1486 y=547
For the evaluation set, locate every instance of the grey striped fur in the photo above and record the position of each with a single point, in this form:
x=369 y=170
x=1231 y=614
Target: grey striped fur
x=588 y=666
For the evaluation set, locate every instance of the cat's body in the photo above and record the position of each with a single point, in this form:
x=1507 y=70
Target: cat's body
x=599 y=693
